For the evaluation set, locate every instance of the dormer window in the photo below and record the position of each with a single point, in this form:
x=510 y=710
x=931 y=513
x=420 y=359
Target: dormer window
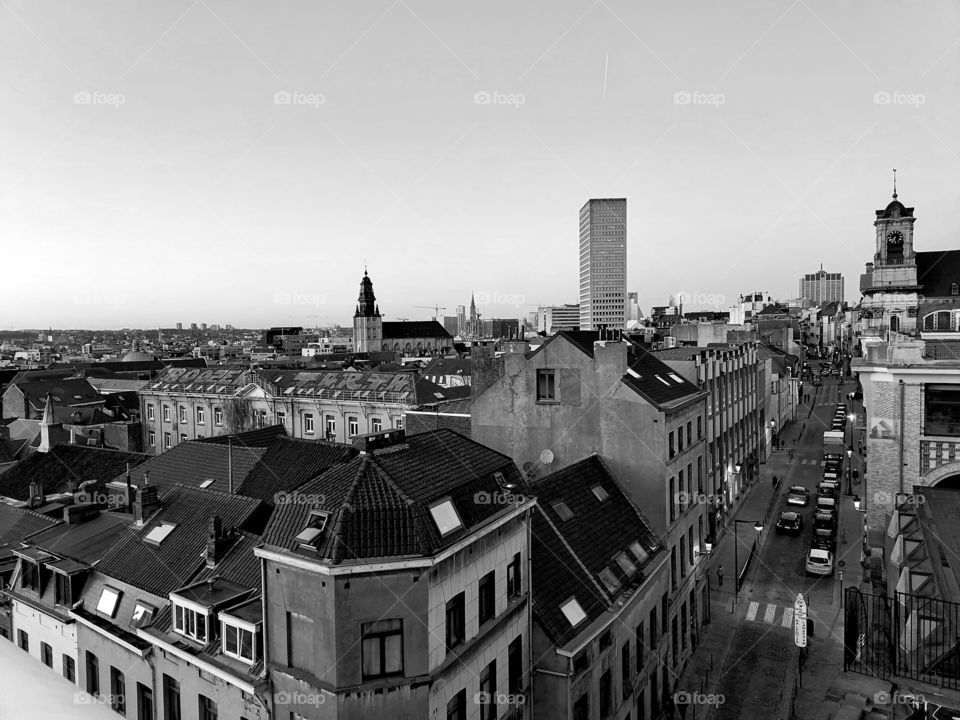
x=237 y=641
x=312 y=533
x=142 y=615
x=954 y=289
x=445 y=516
x=30 y=575
x=190 y=621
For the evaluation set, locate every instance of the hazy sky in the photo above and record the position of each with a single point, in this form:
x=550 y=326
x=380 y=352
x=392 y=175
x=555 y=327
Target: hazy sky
x=237 y=162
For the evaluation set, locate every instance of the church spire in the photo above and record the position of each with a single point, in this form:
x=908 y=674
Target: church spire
x=894 y=183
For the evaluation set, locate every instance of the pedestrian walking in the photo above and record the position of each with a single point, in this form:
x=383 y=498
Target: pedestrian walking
x=720 y=576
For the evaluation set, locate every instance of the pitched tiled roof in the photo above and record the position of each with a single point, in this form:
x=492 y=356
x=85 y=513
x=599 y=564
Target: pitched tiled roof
x=379 y=502
x=65 y=391
x=194 y=462
x=239 y=565
x=429 y=392
x=85 y=542
x=65 y=463
x=17 y=523
x=412 y=329
x=260 y=437
x=172 y=564
x=448 y=366
x=937 y=271
x=287 y=464
x=582 y=339
x=569 y=555
x=656 y=380
x=421 y=421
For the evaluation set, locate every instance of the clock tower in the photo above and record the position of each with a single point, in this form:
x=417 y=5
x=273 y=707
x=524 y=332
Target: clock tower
x=367 y=321
x=889 y=286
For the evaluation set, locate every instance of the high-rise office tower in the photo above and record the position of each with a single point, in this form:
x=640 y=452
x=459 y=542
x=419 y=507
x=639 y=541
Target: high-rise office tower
x=603 y=264
x=822 y=287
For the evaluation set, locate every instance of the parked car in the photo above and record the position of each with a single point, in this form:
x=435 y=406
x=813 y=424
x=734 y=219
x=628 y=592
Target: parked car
x=833 y=457
x=790 y=523
x=827 y=505
x=828 y=490
x=824 y=520
x=831 y=474
x=819 y=562
x=825 y=537
x=798 y=495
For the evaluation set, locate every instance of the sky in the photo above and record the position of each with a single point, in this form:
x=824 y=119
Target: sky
x=240 y=162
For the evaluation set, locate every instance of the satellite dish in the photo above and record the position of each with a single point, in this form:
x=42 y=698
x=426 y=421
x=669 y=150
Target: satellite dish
x=546 y=457
x=527 y=466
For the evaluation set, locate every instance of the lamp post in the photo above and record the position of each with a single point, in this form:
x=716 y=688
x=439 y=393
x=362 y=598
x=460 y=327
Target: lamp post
x=773 y=439
x=849 y=463
x=758 y=526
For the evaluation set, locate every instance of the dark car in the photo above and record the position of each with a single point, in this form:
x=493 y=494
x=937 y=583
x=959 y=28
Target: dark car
x=824 y=536
x=790 y=523
x=798 y=495
x=824 y=520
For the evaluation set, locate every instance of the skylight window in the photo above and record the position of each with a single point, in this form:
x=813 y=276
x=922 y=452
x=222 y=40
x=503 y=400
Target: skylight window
x=160 y=533
x=662 y=380
x=633 y=373
x=310 y=536
x=609 y=580
x=676 y=377
x=562 y=509
x=638 y=552
x=629 y=569
x=107 y=605
x=207 y=483
x=142 y=614
x=600 y=492
x=445 y=516
x=573 y=612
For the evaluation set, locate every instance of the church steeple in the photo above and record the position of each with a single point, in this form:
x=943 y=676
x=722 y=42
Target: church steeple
x=367 y=322
x=367 y=301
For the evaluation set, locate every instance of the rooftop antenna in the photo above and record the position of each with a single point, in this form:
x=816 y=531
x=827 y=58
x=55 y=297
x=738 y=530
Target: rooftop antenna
x=894 y=183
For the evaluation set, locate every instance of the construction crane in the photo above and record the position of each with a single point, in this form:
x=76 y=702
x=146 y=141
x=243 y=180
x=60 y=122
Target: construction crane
x=436 y=309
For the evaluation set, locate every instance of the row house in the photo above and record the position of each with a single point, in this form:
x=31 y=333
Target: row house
x=600 y=596
x=734 y=381
x=396 y=585
x=184 y=404
x=576 y=396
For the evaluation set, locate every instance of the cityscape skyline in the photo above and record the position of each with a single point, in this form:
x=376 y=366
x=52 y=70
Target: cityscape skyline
x=274 y=172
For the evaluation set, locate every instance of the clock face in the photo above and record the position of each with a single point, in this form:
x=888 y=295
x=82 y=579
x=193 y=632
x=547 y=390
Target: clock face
x=895 y=238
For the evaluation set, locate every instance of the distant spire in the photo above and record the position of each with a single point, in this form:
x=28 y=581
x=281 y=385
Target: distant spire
x=48 y=411
x=894 y=183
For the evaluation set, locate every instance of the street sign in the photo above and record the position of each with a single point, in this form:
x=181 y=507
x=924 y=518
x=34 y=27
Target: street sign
x=800 y=621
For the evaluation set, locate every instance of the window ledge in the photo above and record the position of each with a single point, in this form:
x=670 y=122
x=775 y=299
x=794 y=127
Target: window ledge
x=486 y=630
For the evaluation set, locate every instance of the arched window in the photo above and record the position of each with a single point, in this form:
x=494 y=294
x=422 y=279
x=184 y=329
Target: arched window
x=943 y=320
x=929 y=321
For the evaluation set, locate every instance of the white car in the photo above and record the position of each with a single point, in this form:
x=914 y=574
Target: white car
x=819 y=562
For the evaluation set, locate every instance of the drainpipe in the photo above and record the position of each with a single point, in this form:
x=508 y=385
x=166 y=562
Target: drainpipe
x=902 y=395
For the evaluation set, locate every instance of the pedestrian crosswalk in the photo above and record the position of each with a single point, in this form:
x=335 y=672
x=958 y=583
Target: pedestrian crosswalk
x=812 y=461
x=770 y=614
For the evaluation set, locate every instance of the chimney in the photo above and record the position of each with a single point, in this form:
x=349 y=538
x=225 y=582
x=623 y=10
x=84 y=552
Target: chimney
x=146 y=502
x=215 y=543
x=36 y=497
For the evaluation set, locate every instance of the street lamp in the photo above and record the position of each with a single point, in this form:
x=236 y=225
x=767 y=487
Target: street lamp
x=773 y=440
x=849 y=463
x=758 y=526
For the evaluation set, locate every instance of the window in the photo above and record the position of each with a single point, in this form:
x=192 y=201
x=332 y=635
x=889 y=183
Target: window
x=23 y=640
x=445 y=516
x=673 y=500
x=353 y=426
x=487 y=596
x=581 y=661
x=605 y=641
x=260 y=418
x=218 y=416
x=207 y=707
x=171 y=698
x=513 y=577
x=30 y=575
x=376 y=425
x=456 y=621
x=237 y=642
x=942 y=413
x=307 y=424
x=600 y=492
x=167 y=440
x=488 y=692
x=626 y=564
x=142 y=614
x=117 y=691
x=93 y=673
x=46 y=654
x=573 y=612
x=398 y=423
x=699 y=428
x=309 y=538
x=150 y=415
x=166 y=413
x=144 y=702
x=281 y=417
x=664 y=607
x=690 y=433
x=683 y=557
x=680 y=439
x=515 y=666
x=671 y=449
x=299 y=641
x=581 y=708
x=546 y=386
x=183 y=437
x=626 y=684
x=653 y=628
x=107 y=605
x=641 y=644
x=562 y=509
x=182 y=414
x=609 y=580
x=189 y=622
x=330 y=426
x=606 y=694
x=382 y=648
x=457 y=706
x=159 y=533
x=152 y=439
x=69 y=668
x=201 y=416
x=690 y=545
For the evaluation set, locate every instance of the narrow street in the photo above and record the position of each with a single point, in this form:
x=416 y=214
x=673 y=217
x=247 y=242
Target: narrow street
x=757 y=661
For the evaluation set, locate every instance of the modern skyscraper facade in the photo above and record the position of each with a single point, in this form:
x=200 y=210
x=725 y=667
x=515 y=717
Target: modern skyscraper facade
x=822 y=287
x=603 y=264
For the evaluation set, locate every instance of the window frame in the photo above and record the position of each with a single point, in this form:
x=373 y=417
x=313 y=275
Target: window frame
x=228 y=627
x=455 y=633
x=546 y=386
x=381 y=637
x=487 y=597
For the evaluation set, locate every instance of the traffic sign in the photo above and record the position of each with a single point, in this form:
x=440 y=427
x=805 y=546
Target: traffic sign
x=800 y=621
